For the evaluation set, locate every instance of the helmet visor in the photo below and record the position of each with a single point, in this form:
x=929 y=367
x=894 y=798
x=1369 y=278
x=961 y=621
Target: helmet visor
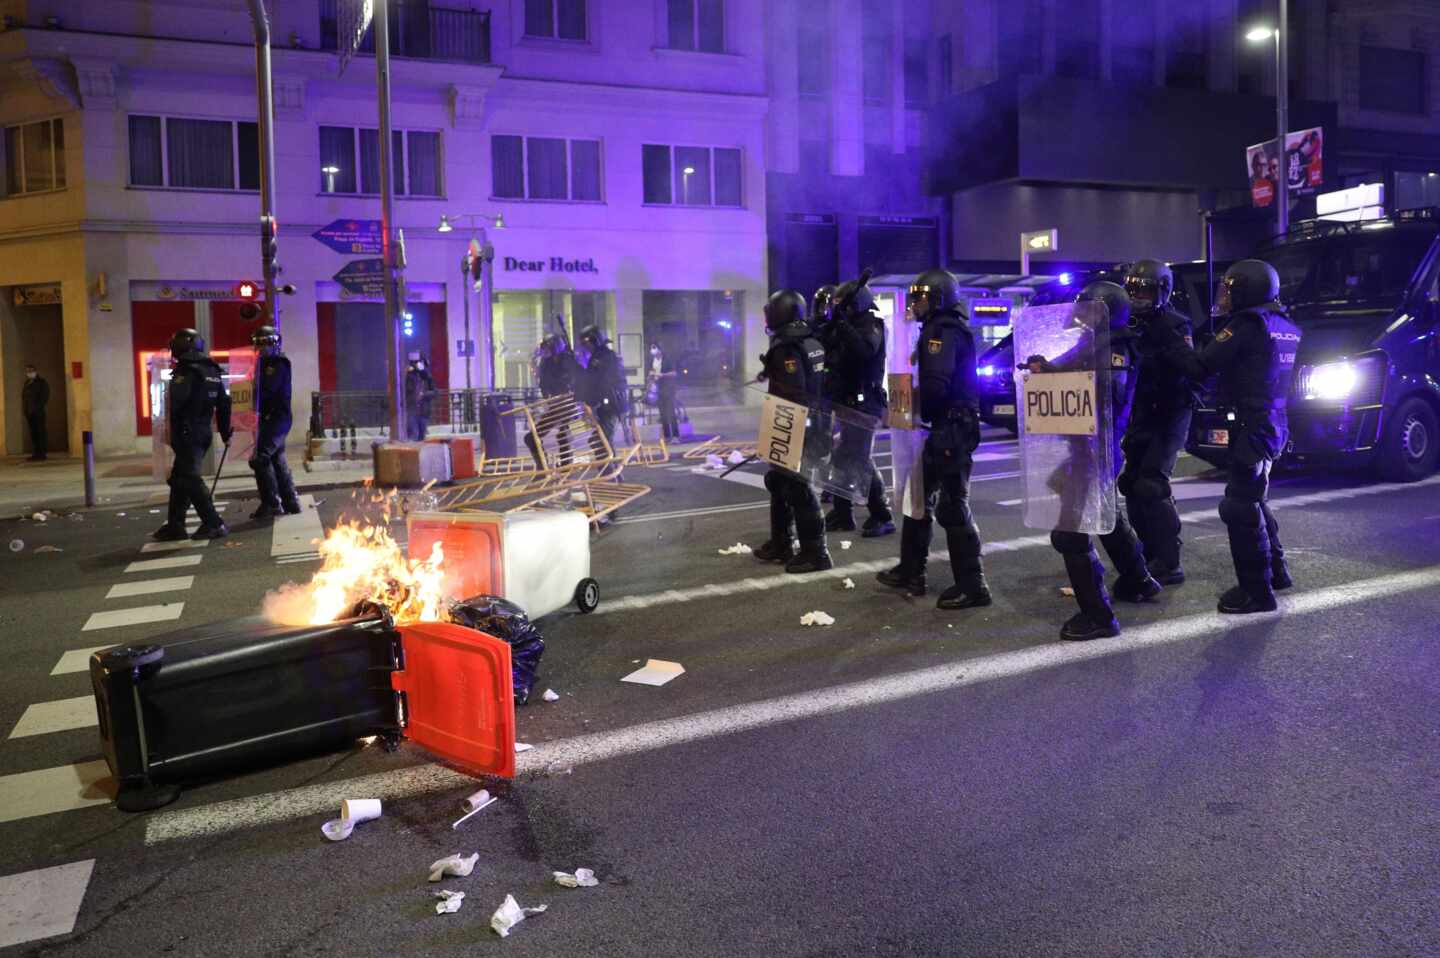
x=921 y=300
x=1144 y=293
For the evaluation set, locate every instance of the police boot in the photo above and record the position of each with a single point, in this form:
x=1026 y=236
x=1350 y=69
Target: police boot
x=1280 y=574
x=882 y=520
x=266 y=511
x=1096 y=619
x=778 y=548
x=291 y=508
x=813 y=557
x=1253 y=594
x=841 y=517
x=1166 y=574
x=174 y=527
x=169 y=533
x=909 y=575
x=969 y=590
x=217 y=531
x=1134 y=583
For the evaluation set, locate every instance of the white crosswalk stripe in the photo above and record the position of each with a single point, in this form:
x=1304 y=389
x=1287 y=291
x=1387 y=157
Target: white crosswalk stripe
x=126 y=590
x=76 y=660
x=50 y=790
x=175 y=546
x=61 y=715
x=295 y=535
x=42 y=903
x=139 y=615
x=168 y=562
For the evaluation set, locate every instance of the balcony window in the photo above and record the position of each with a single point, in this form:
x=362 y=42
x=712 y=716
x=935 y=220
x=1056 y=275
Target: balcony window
x=35 y=157
x=555 y=19
x=696 y=25
x=545 y=168
x=1187 y=53
x=945 y=67
x=350 y=161
x=193 y=154
x=692 y=176
x=421 y=31
x=1392 y=80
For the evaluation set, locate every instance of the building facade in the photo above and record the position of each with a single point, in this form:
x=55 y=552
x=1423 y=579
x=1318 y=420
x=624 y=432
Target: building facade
x=622 y=143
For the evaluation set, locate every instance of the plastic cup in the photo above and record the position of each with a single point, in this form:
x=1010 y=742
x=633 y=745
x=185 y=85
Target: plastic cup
x=356 y=810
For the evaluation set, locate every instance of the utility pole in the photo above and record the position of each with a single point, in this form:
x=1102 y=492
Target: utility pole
x=269 y=241
x=1282 y=116
x=395 y=381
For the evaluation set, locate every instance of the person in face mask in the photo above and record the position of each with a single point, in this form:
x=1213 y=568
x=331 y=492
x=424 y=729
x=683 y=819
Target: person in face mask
x=34 y=397
x=419 y=388
x=666 y=378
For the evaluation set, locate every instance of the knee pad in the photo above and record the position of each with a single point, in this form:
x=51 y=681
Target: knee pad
x=954 y=513
x=1070 y=543
x=775 y=482
x=798 y=494
x=1240 y=512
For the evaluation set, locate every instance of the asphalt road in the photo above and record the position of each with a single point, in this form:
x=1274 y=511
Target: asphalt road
x=905 y=782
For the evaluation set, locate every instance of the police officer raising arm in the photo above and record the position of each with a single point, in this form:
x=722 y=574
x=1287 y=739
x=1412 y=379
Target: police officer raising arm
x=949 y=406
x=855 y=379
x=273 y=481
x=196 y=395
x=1254 y=357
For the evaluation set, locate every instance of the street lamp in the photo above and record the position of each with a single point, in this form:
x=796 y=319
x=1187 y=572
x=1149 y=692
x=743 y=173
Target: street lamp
x=329 y=172
x=685 y=185
x=478 y=222
x=1281 y=35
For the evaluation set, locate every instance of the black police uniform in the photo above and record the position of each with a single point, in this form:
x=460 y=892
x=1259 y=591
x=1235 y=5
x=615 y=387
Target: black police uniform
x=557 y=374
x=601 y=386
x=419 y=387
x=1159 y=423
x=1254 y=357
x=197 y=394
x=273 y=419
x=854 y=343
x=795 y=370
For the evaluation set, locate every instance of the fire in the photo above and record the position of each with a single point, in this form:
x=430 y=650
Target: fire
x=361 y=562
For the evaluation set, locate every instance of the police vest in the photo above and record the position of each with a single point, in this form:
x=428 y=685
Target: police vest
x=801 y=339
x=963 y=385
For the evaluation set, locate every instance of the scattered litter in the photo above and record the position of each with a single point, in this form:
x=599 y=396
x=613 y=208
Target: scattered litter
x=522 y=747
x=510 y=914
x=845 y=544
x=353 y=811
x=473 y=804
x=583 y=878
x=738 y=549
x=232 y=544
x=457 y=865
x=551 y=695
x=75 y=515
x=153 y=512
x=817 y=618
x=49 y=549
x=120 y=514
x=714 y=462
x=39 y=517
x=849 y=583
x=656 y=672
x=449 y=903
x=1066 y=590
x=735 y=458
x=17 y=545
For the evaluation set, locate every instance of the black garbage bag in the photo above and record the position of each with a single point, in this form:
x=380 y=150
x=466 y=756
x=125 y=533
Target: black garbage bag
x=507 y=622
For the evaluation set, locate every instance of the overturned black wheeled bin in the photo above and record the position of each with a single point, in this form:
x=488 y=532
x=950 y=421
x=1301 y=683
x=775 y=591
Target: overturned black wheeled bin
x=497 y=430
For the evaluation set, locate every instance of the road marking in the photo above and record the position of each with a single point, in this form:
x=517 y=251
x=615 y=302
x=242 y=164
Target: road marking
x=290 y=560
x=50 y=790
x=1190 y=487
x=139 y=615
x=745 y=479
x=175 y=546
x=556 y=756
x=296 y=535
x=42 y=903
x=61 y=715
x=688 y=513
x=168 y=562
x=127 y=590
x=995 y=456
x=77 y=660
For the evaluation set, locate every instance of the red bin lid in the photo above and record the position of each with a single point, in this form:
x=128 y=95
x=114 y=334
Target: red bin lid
x=458 y=691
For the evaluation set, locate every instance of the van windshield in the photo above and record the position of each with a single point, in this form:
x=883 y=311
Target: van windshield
x=1363 y=266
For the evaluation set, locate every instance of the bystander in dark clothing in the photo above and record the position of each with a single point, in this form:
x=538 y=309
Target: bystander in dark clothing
x=34 y=397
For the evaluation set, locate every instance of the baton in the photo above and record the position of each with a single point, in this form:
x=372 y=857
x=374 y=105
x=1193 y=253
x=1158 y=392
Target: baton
x=219 y=469
x=747 y=459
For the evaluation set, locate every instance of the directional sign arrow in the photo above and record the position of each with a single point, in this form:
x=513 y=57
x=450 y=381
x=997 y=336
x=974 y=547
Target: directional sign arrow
x=351 y=236
x=363 y=277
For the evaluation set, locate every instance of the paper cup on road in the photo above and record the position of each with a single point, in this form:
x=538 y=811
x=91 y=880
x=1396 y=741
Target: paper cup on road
x=357 y=810
x=476 y=801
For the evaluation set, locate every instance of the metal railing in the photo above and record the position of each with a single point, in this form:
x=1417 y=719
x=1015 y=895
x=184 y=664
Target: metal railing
x=421 y=31
x=352 y=415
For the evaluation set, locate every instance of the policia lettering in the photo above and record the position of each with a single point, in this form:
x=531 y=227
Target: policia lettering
x=196 y=396
x=273 y=482
x=795 y=371
x=1254 y=357
x=948 y=407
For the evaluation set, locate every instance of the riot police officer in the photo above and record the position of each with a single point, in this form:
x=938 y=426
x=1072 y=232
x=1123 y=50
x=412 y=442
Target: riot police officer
x=1159 y=421
x=196 y=395
x=854 y=340
x=601 y=383
x=556 y=372
x=1096 y=618
x=948 y=405
x=273 y=481
x=795 y=370
x=1254 y=358
x=419 y=388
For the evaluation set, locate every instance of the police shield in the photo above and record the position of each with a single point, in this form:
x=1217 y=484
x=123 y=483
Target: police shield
x=1062 y=399
x=826 y=444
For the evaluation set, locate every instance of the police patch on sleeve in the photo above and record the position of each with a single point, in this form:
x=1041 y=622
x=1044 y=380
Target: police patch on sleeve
x=1224 y=334
x=792 y=366
x=1118 y=360
x=933 y=346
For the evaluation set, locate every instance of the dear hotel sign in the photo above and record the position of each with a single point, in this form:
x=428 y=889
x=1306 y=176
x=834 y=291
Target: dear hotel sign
x=555 y=264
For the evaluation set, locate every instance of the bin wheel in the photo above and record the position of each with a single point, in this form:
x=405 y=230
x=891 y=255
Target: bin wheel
x=587 y=595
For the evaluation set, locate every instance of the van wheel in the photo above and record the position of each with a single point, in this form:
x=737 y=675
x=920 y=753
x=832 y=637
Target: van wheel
x=1411 y=446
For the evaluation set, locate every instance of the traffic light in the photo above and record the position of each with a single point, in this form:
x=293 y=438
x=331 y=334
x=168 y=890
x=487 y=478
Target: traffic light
x=269 y=245
x=407 y=323
x=248 y=290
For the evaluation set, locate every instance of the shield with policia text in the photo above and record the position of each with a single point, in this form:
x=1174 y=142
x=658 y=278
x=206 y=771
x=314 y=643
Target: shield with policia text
x=1067 y=457
x=819 y=441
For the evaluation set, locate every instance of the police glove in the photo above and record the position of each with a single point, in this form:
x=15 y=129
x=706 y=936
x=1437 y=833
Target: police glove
x=226 y=437
x=1037 y=364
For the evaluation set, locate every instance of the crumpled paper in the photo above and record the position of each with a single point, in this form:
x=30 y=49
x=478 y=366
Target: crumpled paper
x=848 y=583
x=738 y=549
x=583 y=878
x=817 y=618
x=551 y=695
x=457 y=865
x=49 y=549
x=845 y=543
x=735 y=457
x=522 y=747
x=714 y=462
x=41 y=516
x=450 y=901
x=510 y=914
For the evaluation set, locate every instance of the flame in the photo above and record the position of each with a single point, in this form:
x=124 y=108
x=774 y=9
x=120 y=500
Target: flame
x=361 y=562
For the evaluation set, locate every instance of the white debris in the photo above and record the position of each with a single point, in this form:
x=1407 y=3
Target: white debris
x=449 y=903
x=714 y=462
x=583 y=878
x=458 y=865
x=845 y=543
x=656 y=672
x=849 y=583
x=735 y=457
x=510 y=914
x=817 y=618
x=153 y=512
x=353 y=811
x=49 y=549
x=522 y=747
x=39 y=517
x=551 y=695
x=738 y=549
x=1066 y=590
x=473 y=806
x=17 y=545
x=120 y=514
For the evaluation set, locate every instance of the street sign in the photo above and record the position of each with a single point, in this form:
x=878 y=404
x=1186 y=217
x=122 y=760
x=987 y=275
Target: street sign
x=363 y=277
x=351 y=237
x=1037 y=241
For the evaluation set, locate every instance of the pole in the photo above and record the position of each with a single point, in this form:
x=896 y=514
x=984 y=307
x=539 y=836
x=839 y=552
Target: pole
x=264 y=97
x=487 y=306
x=1282 y=117
x=465 y=294
x=1024 y=257
x=395 y=383
x=88 y=439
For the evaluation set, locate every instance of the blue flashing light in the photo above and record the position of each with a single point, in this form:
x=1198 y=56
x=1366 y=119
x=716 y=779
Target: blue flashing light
x=986 y=370
x=1066 y=279
x=723 y=323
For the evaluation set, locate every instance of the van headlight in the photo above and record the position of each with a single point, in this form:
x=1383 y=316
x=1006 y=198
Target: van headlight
x=1339 y=381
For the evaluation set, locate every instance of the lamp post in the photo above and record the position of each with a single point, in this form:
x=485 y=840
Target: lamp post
x=685 y=185
x=329 y=172
x=1281 y=36
x=487 y=257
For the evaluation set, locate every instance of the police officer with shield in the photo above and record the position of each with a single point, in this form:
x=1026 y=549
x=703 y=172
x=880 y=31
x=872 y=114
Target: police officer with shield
x=557 y=372
x=273 y=481
x=854 y=341
x=795 y=371
x=1096 y=618
x=196 y=395
x=1159 y=421
x=601 y=383
x=1254 y=357
x=949 y=406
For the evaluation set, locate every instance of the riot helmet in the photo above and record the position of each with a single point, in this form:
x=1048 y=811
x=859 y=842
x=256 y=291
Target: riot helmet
x=592 y=337
x=1247 y=284
x=855 y=297
x=822 y=305
x=937 y=289
x=265 y=338
x=1149 y=283
x=783 y=308
x=1113 y=295
x=184 y=341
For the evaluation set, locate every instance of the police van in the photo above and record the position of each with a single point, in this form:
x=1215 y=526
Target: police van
x=1366 y=388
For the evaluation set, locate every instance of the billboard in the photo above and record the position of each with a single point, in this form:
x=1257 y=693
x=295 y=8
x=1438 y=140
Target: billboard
x=1304 y=166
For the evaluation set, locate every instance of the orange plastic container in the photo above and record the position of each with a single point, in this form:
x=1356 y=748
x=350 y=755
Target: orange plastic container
x=462 y=456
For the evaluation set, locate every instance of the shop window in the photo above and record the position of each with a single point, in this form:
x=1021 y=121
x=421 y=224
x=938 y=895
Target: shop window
x=700 y=329
x=190 y=154
x=350 y=161
x=696 y=25
x=545 y=168
x=35 y=157
x=812 y=48
x=692 y=176
x=1417 y=190
x=1392 y=80
x=555 y=19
